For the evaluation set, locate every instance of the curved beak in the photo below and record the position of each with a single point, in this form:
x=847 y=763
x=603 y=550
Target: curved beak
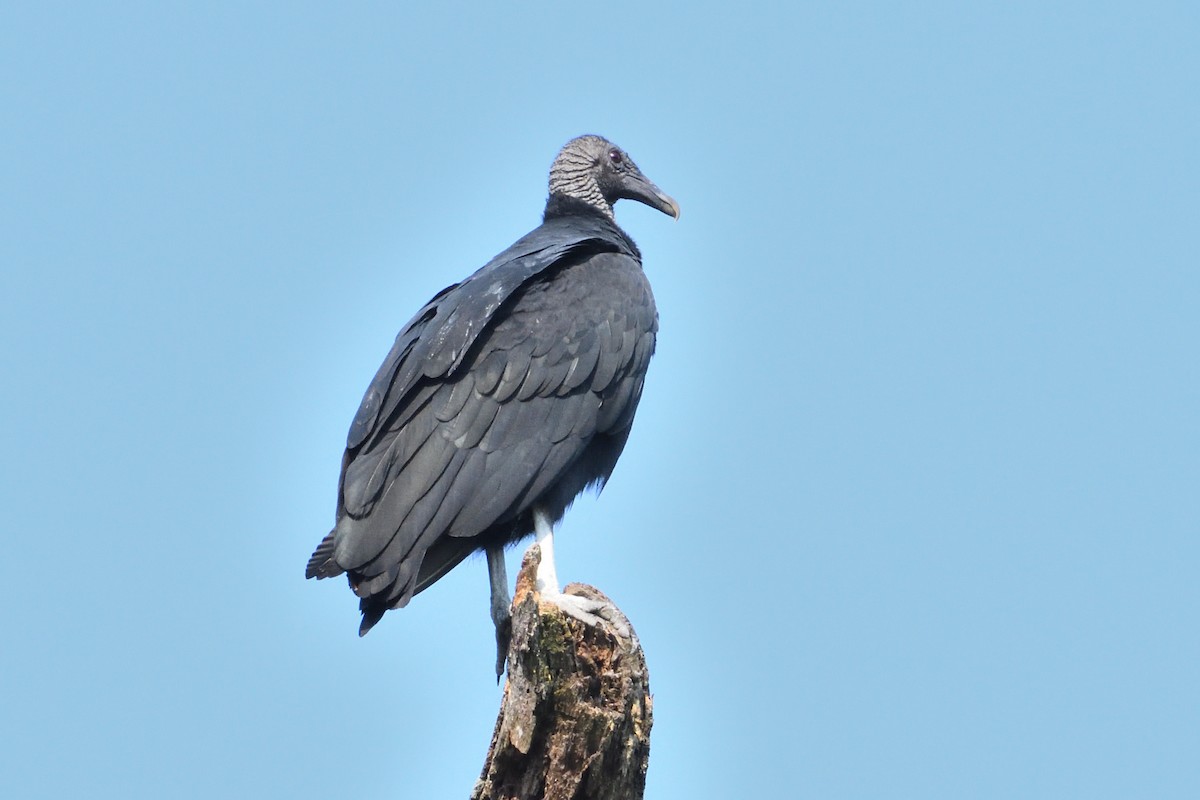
x=639 y=187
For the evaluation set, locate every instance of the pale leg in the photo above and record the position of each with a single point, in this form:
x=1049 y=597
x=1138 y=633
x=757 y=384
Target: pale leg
x=590 y=612
x=547 y=576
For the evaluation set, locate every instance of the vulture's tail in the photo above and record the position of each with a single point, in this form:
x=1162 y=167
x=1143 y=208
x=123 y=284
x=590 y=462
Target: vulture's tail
x=321 y=564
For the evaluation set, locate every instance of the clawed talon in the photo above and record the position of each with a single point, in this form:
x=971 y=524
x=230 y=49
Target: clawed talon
x=597 y=613
x=503 y=639
x=590 y=611
x=503 y=622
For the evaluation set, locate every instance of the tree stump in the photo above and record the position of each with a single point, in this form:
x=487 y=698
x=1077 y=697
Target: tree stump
x=575 y=720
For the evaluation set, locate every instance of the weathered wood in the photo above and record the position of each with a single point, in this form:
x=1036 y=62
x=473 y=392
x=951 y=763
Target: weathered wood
x=575 y=720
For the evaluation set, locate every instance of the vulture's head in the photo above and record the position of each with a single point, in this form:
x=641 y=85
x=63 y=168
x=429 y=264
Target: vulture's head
x=596 y=171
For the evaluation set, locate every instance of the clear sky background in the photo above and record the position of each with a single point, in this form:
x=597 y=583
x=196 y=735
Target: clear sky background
x=912 y=504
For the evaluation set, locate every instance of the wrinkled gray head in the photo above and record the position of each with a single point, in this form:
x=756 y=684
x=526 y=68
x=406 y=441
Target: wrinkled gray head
x=596 y=171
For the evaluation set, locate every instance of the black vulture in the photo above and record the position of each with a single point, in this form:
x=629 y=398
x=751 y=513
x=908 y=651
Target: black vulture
x=506 y=396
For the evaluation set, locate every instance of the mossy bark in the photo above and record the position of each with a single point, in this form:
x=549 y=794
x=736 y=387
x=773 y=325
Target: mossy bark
x=575 y=720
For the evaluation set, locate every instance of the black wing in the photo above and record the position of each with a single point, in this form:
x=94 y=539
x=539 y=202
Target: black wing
x=535 y=403
x=434 y=343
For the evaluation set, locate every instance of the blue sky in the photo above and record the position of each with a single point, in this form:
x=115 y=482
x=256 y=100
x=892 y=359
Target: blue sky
x=911 y=506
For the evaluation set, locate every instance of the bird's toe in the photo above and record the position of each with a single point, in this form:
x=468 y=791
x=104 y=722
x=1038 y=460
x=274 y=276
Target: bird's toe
x=595 y=612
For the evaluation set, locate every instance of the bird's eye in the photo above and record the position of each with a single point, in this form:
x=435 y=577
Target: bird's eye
x=615 y=156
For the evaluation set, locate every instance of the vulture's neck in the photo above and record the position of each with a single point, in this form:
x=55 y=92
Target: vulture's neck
x=562 y=205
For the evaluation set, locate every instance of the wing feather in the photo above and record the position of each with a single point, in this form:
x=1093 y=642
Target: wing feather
x=391 y=565
x=581 y=368
x=515 y=369
x=487 y=371
x=454 y=400
x=366 y=477
x=362 y=539
x=566 y=412
x=533 y=379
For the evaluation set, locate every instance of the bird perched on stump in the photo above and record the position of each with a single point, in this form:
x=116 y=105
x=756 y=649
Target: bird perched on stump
x=502 y=399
